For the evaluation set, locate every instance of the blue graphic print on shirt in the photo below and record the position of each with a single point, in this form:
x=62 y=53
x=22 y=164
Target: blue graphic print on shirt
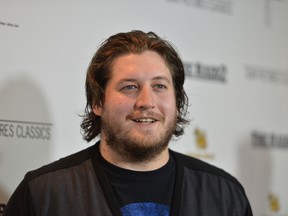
x=145 y=209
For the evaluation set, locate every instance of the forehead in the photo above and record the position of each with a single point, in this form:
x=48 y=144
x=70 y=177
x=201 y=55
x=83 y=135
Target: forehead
x=144 y=65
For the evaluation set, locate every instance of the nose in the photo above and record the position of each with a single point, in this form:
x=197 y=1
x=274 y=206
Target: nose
x=145 y=99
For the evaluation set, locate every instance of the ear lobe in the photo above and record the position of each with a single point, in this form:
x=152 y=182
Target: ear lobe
x=97 y=110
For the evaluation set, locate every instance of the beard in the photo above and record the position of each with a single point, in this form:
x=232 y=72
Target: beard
x=136 y=148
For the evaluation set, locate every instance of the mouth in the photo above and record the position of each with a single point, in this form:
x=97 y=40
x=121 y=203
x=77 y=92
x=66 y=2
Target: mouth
x=144 y=120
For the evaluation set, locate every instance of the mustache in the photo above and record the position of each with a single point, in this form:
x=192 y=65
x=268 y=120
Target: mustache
x=145 y=114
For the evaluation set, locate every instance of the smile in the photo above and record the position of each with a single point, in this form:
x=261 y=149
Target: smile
x=144 y=120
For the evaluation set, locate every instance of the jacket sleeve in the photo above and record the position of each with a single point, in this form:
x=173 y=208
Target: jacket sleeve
x=20 y=202
x=249 y=209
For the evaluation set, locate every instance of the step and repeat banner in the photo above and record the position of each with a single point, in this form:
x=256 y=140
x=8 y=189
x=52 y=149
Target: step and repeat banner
x=236 y=63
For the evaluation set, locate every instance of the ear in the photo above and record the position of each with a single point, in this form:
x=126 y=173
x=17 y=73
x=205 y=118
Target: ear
x=97 y=110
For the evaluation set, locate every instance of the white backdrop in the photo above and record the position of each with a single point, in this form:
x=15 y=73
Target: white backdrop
x=236 y=58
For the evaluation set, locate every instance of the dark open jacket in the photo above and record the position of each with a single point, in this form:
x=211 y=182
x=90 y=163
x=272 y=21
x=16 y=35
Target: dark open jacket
x=74 y=186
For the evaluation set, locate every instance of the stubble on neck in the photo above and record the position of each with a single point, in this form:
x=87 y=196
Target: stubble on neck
x=121 y=160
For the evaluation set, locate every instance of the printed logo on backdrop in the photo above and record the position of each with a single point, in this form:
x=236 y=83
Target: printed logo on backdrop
x=219 y=6
x=269 y=140
x=8 y=24
x=201 y=144
x=201 y=71
x=274 y=203
x=25 y=130
x=268 y=75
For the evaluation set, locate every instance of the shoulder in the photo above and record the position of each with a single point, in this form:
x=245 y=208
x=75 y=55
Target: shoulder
x=203 y=169
x=56 y=183
x=216 y=191
x=64 y=163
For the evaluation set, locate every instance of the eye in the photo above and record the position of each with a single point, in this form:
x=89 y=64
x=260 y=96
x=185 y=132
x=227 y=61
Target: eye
x=160 y=86
x=129 y=88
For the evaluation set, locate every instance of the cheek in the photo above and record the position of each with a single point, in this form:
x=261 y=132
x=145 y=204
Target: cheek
x=113 y=101
x=119 y=107
x=168 y=106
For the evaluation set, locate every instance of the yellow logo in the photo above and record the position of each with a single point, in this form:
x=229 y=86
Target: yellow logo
x=200 y=139
x=202 y=146
x=273 y=202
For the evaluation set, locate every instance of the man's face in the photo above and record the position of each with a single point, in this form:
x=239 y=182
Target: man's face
x=139 y=113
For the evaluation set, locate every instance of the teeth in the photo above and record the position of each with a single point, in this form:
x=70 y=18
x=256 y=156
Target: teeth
x=145 y=120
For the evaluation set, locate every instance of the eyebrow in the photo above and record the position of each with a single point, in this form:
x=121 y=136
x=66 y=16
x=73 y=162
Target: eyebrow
x=154 y=78
x=161 y=78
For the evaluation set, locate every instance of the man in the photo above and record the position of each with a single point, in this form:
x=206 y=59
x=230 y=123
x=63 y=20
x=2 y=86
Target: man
x=135 y=103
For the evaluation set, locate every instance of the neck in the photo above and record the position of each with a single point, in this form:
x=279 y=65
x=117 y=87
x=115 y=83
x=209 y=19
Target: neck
x=118 y=160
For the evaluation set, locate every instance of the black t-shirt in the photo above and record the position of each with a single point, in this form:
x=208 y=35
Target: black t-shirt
x=142 y=193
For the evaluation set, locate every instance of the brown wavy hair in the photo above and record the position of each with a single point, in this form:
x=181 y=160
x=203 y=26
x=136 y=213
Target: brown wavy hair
x=99 y=72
